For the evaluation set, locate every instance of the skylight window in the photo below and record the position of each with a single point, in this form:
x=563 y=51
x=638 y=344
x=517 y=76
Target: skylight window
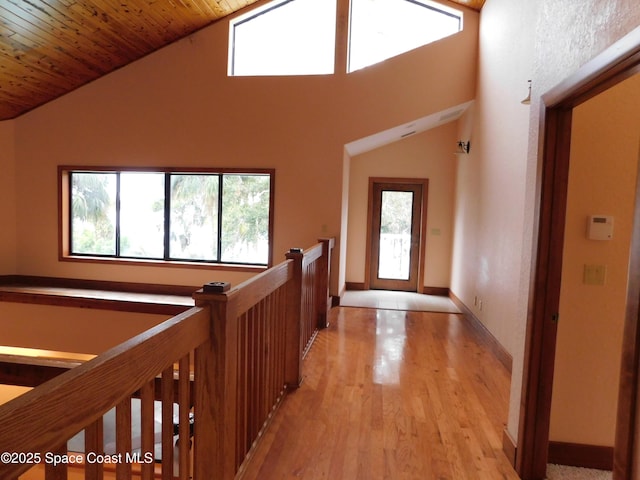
x=382 y=29
x=290 y=37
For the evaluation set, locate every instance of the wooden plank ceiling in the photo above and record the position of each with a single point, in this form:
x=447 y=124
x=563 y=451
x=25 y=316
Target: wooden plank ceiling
x=50 y=47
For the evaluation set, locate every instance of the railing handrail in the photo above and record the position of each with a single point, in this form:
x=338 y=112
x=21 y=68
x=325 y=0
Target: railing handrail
x=249 y=292
x=61 y=407
x=312 y=254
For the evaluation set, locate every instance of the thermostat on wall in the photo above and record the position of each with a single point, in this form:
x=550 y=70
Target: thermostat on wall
x=600 y=227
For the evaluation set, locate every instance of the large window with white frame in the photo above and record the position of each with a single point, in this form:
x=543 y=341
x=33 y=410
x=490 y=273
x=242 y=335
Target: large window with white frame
x=202 y=216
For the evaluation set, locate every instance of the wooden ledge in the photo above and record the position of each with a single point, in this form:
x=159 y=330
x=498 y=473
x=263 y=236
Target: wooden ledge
x=104 y=295
x=30 y=367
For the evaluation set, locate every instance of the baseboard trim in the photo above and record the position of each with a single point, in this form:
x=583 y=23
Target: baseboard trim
x=439 y=291
x=501 y=353
x=334 y=301
x=581 y=455
x=509 y=447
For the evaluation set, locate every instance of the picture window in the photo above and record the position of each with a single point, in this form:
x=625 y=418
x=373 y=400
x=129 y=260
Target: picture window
x=184 y=216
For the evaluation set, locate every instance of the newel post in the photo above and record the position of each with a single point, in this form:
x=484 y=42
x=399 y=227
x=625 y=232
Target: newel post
x=215 y=387
x=324 y=274
x=293 y=358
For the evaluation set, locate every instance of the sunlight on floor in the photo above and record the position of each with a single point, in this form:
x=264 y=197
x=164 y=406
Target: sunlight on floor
x=391 y=300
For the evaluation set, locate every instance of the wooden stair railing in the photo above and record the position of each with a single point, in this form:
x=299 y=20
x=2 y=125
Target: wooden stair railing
x=36 y=426
x=259 y=331
x=314 y=288
x=229 y=360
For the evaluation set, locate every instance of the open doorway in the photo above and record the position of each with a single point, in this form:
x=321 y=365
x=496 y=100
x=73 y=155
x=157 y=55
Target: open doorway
x=616 y=64
x=601 y=192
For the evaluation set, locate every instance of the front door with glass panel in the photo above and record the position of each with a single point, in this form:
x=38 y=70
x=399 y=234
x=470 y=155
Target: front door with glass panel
x=395 y=234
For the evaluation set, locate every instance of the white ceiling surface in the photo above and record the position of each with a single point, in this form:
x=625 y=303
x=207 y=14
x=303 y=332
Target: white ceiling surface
x=394 y=134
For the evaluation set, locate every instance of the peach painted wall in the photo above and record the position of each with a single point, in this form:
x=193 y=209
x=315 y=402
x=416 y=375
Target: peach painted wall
x=570 y=35
x=9 y=392
x=489 y=204
x=424 y=155
x=178 y=107
x=67 y=329
x=602 y=180
x=7 y=198
x=495 y=216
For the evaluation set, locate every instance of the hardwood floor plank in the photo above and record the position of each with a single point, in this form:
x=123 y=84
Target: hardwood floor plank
x=391 y=395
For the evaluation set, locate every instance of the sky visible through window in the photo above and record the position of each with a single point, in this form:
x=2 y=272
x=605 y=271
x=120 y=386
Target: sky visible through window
x=382 y=29
x=297 y=37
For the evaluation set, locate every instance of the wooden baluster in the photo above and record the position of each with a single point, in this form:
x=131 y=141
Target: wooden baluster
x=243 y=385
x=94 y=442
x=184 y=430
x=167 y=423
x=147 y=427
x=252 y=372
x=324 y=274
x=282 y=310
x=257 y=371
x=293 y=367
x=123 y=438
x=57 y=472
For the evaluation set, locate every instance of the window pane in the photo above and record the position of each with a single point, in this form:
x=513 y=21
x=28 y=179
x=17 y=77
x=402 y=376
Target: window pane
x=93 y=213
x=382 y=29
x=245 y=219
x=142 y=215
x=395 y=235
x=294 y=37
x=194 y=217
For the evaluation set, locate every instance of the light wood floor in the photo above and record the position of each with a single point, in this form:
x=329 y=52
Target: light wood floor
x=391 y=395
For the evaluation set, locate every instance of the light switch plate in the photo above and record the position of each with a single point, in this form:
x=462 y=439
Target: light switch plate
x=594 y=274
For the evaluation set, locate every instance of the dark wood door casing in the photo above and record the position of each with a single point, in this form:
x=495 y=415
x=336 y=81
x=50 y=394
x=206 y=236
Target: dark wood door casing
x=420 y=189
x=615 y=64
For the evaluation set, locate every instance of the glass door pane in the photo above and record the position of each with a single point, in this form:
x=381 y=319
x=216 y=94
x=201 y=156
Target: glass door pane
x=395 y=235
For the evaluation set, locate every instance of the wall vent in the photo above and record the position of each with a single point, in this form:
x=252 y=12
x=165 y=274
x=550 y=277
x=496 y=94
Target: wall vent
x=450 y=116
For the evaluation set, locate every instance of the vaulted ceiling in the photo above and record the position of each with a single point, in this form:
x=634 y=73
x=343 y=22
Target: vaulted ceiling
x=50 y=47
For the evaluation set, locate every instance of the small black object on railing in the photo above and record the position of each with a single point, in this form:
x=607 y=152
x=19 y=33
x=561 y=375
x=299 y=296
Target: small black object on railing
x=216 y=287
x=296 y=250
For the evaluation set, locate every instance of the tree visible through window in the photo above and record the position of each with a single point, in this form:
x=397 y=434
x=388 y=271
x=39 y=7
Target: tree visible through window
x=202 y=216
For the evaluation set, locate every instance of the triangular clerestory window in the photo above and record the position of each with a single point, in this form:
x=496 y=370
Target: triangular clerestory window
x=382 y=29
x=285 y=37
